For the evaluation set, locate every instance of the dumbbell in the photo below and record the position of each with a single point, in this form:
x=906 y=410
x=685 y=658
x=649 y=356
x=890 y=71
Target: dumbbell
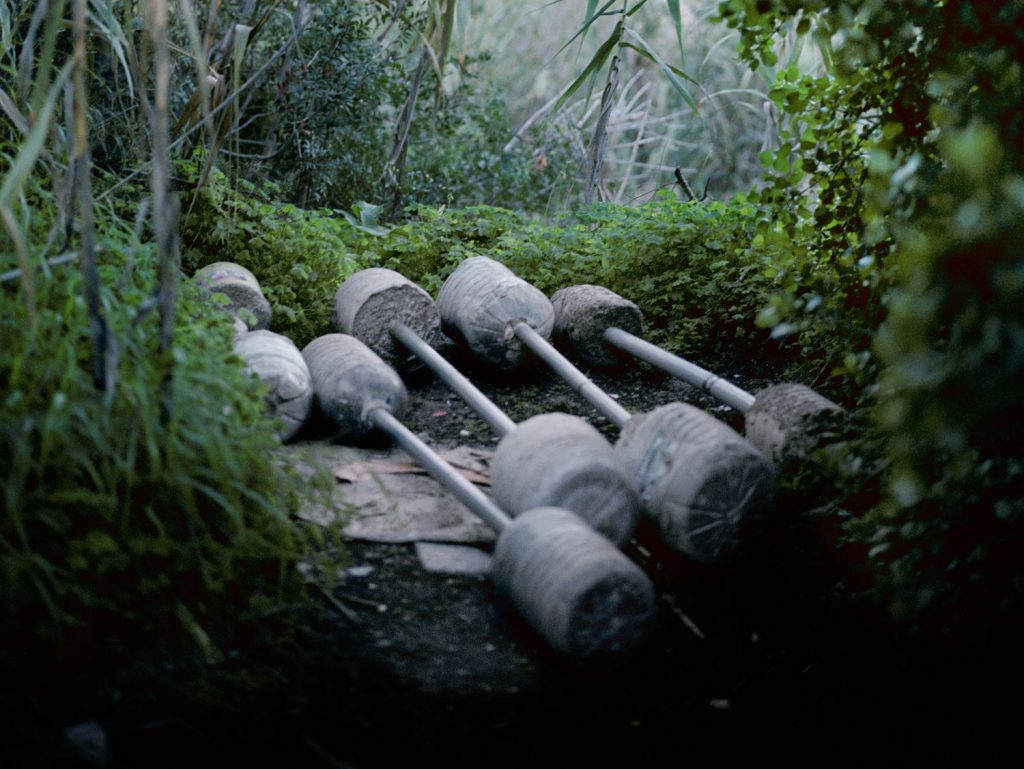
x=550 y=460
x=240 y=287
x=782 y=420
x=277 y=361
x=705 y=487
x=584 y=597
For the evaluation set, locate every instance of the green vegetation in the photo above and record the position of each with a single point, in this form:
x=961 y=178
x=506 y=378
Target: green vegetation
x=127 y=517
x=687 y=265
x=903 y=168
x=299 y=256
x=865 y=163
x=147 y=519
x=322 y=128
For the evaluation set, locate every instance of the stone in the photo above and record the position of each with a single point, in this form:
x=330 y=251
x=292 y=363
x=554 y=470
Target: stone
x=277 y=361
x=584 y=597
x=368 y=302
x=708 y=491
x=788 y=421
x=89 y=739
x=559 y=460
x=349 y=381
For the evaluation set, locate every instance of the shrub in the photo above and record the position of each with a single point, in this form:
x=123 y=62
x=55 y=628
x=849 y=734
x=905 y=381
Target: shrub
x=129 y=527
x=687 y=265
x=300 y=257
x=326 y=127
x=913 y=146
x=457 y=154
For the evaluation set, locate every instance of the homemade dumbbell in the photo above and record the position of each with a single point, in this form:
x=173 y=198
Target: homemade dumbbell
x=277 y=361
x=584 y=597
x=241 y=288
x=707 y=489
x=783 y=420
x=480 y=303
x=550 y=460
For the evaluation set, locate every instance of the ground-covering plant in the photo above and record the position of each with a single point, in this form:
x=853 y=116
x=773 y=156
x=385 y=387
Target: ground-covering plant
x=903 y=167
x=299 y=256
x=688 y=265
x=128 y=529
x=146 y=517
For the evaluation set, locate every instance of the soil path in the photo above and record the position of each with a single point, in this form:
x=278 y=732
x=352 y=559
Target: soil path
x=765 y=660
x=751 y=660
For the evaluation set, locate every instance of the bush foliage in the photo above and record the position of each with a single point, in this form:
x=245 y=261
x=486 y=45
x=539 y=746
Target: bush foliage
x=324 y=127
x=299 y=256
x=687 y=265
x=132 y=523
x=913 y=149
x=882 y=247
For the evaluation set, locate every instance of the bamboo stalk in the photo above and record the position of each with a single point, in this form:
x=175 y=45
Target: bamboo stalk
x=99 y=331
x=165 y=208
x=596 y=155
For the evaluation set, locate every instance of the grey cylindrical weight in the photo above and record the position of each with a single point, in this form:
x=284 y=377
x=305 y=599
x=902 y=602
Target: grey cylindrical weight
x=367 y=303
x=787 y=421
x=277 y=361
x=240 y=286
x=583 y=312
x=479 y=303
x=582 y=595
x=349 y=381
x=707 y=489
x=558 y=460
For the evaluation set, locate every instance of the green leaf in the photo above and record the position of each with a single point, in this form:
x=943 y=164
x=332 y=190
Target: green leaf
x=674 y=75
x=677 y=22
x=103 y=18
x=636 y=8
x=5 y=27
x=587 y=19
x=32 y=147
x=595 y=64
x=586 y=24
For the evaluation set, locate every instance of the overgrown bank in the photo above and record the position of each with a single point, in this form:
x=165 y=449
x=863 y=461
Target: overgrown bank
x=879 y=259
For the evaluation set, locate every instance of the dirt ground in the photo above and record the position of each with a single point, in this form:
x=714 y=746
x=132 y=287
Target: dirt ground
x=759 y=660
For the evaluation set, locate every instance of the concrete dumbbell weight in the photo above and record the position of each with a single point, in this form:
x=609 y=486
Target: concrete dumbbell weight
x=785 y=421
x=548 y=460
x=584 y=597
x=708 y=491
x=277 y=361
x=483 y=302
x=240 y=286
